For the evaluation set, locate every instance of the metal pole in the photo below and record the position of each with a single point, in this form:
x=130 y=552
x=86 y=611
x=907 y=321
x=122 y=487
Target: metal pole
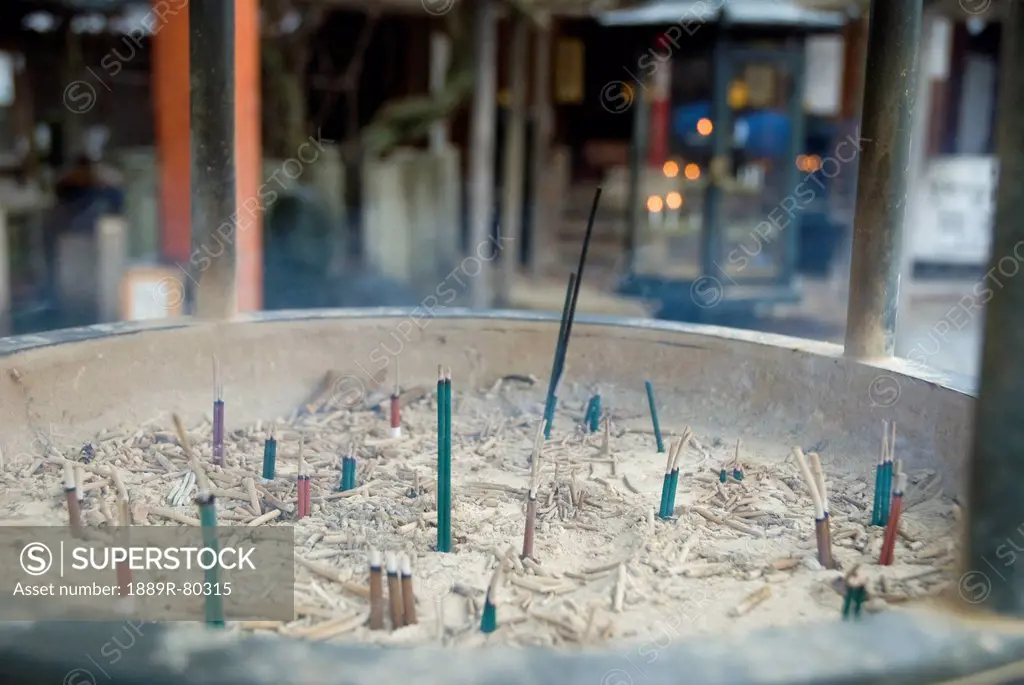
x=211 y=35
x=996 y=478
x=886 y=119
x=481 y=164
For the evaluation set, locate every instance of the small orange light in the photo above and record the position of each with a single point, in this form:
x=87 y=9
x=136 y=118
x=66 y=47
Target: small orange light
x=654 y=204
x=801 y=162
x=673 y=200
x=692 y=172
x=814 y=163
x=705 y=127
x=670 y=169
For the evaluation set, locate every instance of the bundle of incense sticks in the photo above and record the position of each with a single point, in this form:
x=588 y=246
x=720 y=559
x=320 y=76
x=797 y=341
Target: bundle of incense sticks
x=884 y=476
x=737 y=467
x=376 y=591
x=270 y=455
x=572 y=296
x=654 y=416
x=855 y=584
x=302 y=486
x=396 y=410
x=893 y=526
x=395 y=592
x=592 y=418
x=444 y=460
x=218 y=414
x=408 y=598
x=531 y=497
x=208 y=520
x=821 y=525
x=71 y=496
x=671 y=482
x=489 y=619
x=348 y=473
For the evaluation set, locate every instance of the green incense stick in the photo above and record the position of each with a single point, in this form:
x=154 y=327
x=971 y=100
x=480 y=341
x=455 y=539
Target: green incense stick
x=876 y=507
x=595 y=416
x=654 y=416
x=886 y=493
x=664 y=496
x=448 y=462
x=673 y=485
x=208 y=521
x=269 y=459
x=440 y=460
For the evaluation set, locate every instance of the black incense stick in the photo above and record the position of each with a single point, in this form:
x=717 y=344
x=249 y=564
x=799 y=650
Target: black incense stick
x=579 y=274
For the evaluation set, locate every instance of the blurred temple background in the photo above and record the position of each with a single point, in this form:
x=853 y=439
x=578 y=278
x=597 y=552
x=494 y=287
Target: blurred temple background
x=446 y=152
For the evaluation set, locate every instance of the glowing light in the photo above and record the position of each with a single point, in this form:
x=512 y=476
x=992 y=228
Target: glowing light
x=705 y=127
x=692 y=172
x=654 y=204
x=670 y=169
x=673 y=200
x=801 y=162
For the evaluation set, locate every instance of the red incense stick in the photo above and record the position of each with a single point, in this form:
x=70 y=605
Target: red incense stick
x=892 y=529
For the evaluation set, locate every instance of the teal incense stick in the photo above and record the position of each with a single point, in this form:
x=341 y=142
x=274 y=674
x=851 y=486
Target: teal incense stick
x=208 y=523
x=876 y=506
x=559 y=359
x=440 y=460
x=856 y=593
x=594 y=420
x=269 y=456
x=654 y=416
x=211 y=576
x=448 y=461
x=489 y=619
x=673 y=484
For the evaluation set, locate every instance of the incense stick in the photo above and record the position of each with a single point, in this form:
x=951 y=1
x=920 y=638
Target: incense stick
x=886 y=557
x=71 y=496
x=395 y=593
x=820 y=522
x=396 y=410
x=218 y=414
x=208 y=520
x=269 y=456
x=556 y=363
x=673 y=485
x=376 y=592
x=303 y=483
x=531 y=497
x=737 y=468
x=489 y=620
x=819 y=482
x=855 y=583
x=408 y=598
x=654 y=416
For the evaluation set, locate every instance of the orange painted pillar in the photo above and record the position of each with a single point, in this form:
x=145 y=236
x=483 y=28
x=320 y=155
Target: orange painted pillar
x=171 y=118
x=248 y=156
x=172 y=106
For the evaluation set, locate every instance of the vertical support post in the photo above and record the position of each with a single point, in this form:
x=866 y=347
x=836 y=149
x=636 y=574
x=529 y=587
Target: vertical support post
x=171 y=113
x=481 y=166
x=886 y=119
x=996 y=486
x=440 y=59
x=249 y=157
x=540 y=152
x=635 y=206
x=514 y=158
x=211 y=26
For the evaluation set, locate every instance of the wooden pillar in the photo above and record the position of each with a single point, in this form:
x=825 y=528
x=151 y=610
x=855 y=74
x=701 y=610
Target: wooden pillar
x=172 y=103
x=248 y=156
x=541 y=216
x=171 y=114
x=514 y=158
